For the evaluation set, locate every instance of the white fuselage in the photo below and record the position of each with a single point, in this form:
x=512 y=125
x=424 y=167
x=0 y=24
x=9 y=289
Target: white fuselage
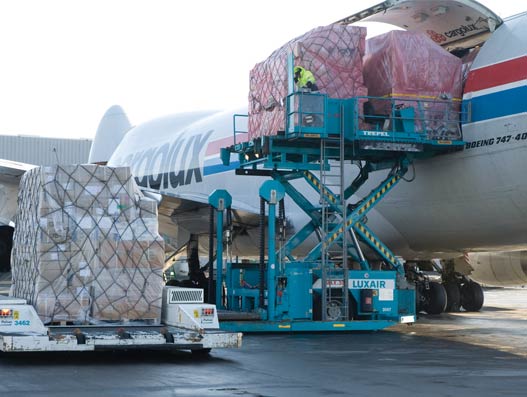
x=473 y=200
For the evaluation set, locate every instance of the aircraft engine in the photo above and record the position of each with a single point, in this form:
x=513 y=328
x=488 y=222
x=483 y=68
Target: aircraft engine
x=500 y=269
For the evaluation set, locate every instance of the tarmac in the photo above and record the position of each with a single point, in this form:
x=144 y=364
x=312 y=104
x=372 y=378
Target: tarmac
x=461 y=354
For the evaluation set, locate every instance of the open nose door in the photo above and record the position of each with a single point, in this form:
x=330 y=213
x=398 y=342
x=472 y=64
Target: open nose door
x=454 y=24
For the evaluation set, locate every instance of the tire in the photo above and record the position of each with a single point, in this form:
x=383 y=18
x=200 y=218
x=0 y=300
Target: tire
x=453 y=296
x=334 y=309
x=436 y=299
x=472 y=296
x=317 y=307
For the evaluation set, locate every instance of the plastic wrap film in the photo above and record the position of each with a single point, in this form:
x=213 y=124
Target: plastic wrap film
x=86 y=246
x=400 y=63
x=467 y=61
x=415 y=72
x=407 y=64
x=332 y=53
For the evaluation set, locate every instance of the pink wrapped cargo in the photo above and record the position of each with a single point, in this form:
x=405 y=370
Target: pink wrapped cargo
x=467 y=61
x=409 y=64
x=333 y=53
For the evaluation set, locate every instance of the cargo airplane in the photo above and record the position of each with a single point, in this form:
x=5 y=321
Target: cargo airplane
x=468 y=208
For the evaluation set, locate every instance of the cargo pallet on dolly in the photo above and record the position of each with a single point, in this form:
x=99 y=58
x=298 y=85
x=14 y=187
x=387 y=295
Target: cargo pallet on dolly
x=186 y=324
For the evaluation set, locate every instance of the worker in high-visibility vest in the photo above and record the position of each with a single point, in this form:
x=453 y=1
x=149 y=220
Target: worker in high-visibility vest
x=309 y=106
x=304 y=79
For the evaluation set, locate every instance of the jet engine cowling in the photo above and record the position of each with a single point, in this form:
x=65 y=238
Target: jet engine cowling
x=500 y=269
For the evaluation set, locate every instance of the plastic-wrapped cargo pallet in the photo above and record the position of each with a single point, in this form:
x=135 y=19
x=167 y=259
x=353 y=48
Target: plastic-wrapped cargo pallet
x=86 y=246
x=410 y=64
x=332 y=53
x=404 y=64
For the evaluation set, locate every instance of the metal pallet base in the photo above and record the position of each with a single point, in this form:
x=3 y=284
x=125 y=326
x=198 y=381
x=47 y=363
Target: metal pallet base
x=118 y=338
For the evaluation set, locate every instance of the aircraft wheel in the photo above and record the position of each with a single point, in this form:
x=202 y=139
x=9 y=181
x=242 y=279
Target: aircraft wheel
x=472 y=296
x=436 y=299
x=453 y=296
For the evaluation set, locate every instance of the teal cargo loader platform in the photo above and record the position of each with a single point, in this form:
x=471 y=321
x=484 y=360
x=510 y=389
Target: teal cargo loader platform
x=334 y=287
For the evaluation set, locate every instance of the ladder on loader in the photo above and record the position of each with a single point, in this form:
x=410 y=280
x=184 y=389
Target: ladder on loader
x=333 y=211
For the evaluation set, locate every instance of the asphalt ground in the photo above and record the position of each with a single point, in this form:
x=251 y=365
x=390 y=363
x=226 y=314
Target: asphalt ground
x=463 y=354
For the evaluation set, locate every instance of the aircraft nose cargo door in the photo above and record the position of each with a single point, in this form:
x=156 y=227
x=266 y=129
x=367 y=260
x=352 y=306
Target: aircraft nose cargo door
x=458 y=24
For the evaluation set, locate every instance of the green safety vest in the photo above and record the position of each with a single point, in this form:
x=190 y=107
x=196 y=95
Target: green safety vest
x=305 y=77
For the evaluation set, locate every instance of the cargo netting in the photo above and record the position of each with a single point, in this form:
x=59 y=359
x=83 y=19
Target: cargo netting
x=332 y=53
x=86 y=246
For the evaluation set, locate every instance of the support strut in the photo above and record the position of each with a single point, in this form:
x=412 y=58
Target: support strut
x=272 y=192
x=221 y=200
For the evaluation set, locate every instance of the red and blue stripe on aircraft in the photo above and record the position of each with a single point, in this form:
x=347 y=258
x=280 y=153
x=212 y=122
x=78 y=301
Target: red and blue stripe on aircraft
x=212 y=164
x=497 y=90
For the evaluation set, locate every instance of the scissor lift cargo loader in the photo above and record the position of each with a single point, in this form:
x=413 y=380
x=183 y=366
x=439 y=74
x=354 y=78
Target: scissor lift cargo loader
x=334 y=287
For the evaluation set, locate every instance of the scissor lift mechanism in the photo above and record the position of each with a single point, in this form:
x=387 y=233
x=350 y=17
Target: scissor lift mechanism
x=411 y=129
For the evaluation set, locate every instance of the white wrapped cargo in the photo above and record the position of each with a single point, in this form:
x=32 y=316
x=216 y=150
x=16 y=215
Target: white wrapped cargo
x=86 y=246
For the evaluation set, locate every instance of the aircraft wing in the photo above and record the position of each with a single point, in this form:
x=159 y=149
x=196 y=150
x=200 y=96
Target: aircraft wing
x=184 y=214
x=10 y=174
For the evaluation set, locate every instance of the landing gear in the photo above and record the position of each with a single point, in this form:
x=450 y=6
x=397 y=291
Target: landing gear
x=463 y=293
x=453 y=296
x=435 y=298
x=471 y=296
x=452 y=288
x=430 y=296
